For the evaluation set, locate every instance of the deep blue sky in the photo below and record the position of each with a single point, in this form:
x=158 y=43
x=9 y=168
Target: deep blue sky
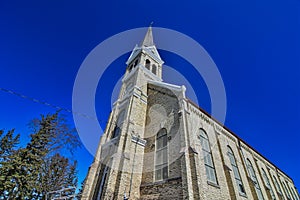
x=255 y=45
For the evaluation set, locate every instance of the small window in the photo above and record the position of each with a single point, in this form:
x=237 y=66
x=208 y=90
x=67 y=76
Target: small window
x=130 y=67
x=236 y=172
x=136 y=62
x=154 y=69
x=147 y=65
x=161 y=155
x=117 y=131
x=208 y=159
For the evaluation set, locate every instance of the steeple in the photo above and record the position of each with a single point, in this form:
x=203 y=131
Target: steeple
x=146 y=59
x=148 y=40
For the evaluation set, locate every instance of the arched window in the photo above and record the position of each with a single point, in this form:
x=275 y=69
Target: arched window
x=254 y=179
x=277 y=185
x=136 y=62
x=267 y=183
x=102 y=183
x=293 y=193
x=117 y=131
x=161 y=156
x=236 y=172
x=147 y=65
x=130 y=67
x=286 y=191
x=208 y=159
x=154 y=69
x=118 y=127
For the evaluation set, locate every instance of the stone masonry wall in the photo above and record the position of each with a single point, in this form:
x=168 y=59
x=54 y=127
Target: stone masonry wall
x=162 y=112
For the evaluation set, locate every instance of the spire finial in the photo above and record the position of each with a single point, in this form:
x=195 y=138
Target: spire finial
x=148 y=40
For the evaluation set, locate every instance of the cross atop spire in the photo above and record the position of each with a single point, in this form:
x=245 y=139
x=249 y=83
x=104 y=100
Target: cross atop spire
x=148 y=40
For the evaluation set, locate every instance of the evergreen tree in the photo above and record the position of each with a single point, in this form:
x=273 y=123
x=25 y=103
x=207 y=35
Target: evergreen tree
x=58 y=173
x=35 y=170
x=62 y=137
x=8 y=143
x=29 y=161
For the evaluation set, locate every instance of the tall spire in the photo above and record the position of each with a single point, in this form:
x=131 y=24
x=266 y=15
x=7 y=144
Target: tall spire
x=148 y=40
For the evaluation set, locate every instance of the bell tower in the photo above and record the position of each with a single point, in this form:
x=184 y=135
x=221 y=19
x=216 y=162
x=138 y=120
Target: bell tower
x=143 y=64
x=116 y=172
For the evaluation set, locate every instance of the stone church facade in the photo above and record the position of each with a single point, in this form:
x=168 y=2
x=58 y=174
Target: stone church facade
x=160 y=145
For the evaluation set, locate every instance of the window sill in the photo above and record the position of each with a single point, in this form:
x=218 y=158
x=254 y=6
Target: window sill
x=166 y=180
x=213 y=184
x=243 y=195
x=279 y=194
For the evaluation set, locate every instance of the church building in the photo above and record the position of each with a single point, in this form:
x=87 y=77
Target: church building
x=158 y=144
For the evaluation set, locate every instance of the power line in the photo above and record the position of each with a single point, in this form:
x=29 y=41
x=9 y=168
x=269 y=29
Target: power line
x=47 y=104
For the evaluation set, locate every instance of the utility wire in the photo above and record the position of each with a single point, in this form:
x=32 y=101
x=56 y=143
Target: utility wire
x=47 y=104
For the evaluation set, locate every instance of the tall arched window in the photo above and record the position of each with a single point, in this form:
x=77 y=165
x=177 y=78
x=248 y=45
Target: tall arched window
x=254 y=179
x=236 y=172
x=286 y=191
x=147 y=64
x=161 y=155
x=154 y=69
x=208 y=159
x=267 y=183
x=102 y=183
x=294 y=193
x=277 y=185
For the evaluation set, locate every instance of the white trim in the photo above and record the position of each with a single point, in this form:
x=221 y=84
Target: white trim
x=136 y=50
x=167 y=85
x=137 y=140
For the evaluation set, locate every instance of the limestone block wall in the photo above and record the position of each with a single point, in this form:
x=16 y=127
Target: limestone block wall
x=165 y=108
x=285 y=182
x=226 y=140
x=162 y=113
x=220 y=138
x=196 y=120
x=163 y=190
